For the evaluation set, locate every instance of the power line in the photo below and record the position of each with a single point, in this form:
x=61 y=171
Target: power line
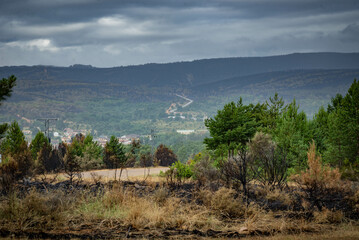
x=47 y=125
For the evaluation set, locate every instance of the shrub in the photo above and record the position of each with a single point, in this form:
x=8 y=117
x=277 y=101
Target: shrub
x=267 y=161
x=223 y=202
x=179 y=172
x=113 y=198
x=204 y=171
x=183 y=171
x=320 y=184
x=16 y=166
x=160 y=196
x=278 y=199
x=8 y=175
x=354 y=203
x=235 y=171
x=327 y=216
x=35 y=210
x=72 y=165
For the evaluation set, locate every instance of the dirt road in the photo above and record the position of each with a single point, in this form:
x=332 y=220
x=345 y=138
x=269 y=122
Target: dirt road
x=128 y=172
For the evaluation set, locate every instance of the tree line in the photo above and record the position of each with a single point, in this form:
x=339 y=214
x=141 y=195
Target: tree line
x=83 y=153
x=334 y=129
x=268 y=142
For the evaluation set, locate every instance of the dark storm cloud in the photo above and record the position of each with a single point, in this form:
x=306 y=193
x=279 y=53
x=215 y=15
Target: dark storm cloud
x=108 y=33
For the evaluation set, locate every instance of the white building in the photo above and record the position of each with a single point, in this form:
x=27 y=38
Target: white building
x=185 y=132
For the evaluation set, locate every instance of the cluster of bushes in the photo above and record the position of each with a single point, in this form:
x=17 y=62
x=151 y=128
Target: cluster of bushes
x=318 y=192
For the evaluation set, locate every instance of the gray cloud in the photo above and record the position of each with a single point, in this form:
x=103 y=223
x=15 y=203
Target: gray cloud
x=111 y=33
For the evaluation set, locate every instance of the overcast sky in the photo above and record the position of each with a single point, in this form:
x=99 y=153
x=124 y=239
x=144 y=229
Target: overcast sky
x=129 y=32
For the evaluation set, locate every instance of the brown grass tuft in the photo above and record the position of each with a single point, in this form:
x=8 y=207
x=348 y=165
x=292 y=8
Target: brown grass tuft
x=35 y=210
x=280 y=195
x=224 y=202
x=327 y=216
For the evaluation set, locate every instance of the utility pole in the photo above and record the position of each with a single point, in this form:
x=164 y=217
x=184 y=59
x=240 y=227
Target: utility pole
x=47 y=125
x=152 y=138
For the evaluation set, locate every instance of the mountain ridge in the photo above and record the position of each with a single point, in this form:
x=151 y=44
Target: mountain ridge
x=188 y=73
x=134 y=99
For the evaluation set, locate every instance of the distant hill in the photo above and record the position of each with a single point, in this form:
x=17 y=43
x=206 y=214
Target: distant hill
x=132 y=99
x=282 y=81
x=186 y=74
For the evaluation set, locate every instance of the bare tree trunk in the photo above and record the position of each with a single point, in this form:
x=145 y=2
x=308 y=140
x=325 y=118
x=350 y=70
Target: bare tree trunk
x=121 y=173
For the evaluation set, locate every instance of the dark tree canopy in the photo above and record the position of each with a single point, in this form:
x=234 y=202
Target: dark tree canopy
x=165 y=156
x=6 y=86
x=13 y=140
x=232 y=127
x=37 y=143
x=114 y=156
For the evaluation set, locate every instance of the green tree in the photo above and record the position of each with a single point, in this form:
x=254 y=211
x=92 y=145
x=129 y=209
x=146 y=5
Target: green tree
x=351 y=111
x=336 y=103
x=292 y=135
x=37 y=143
x=232 y=127
x=88 y=140
x=23 y=161
x=15 y=166
x=6 y=87
x=275 y=108
x=114 y=156
x=336 y=141
x=319 y=129
x=43 y=158
x=133 y=153
x=343 y=129
x=13 y=140
x=71 y=163
x=77 y=145
x=92 y=154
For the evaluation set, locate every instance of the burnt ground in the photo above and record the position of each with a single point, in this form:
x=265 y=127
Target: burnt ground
x=185 y=191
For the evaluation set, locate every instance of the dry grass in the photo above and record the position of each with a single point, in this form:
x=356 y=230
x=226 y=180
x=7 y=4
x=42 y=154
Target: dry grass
x=223 y=202
x=156 y=210
x=280 y=195
x=342 y=232
x=327 y=216
x=269 y=224
x=35 y=210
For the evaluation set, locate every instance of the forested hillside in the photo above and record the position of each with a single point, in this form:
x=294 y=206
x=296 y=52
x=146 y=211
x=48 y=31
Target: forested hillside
x=134 y=99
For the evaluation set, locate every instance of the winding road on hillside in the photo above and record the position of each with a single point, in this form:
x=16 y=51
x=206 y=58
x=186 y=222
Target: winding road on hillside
x=185 y=98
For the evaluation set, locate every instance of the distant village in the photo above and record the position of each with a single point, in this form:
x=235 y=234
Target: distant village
x=67 y=135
